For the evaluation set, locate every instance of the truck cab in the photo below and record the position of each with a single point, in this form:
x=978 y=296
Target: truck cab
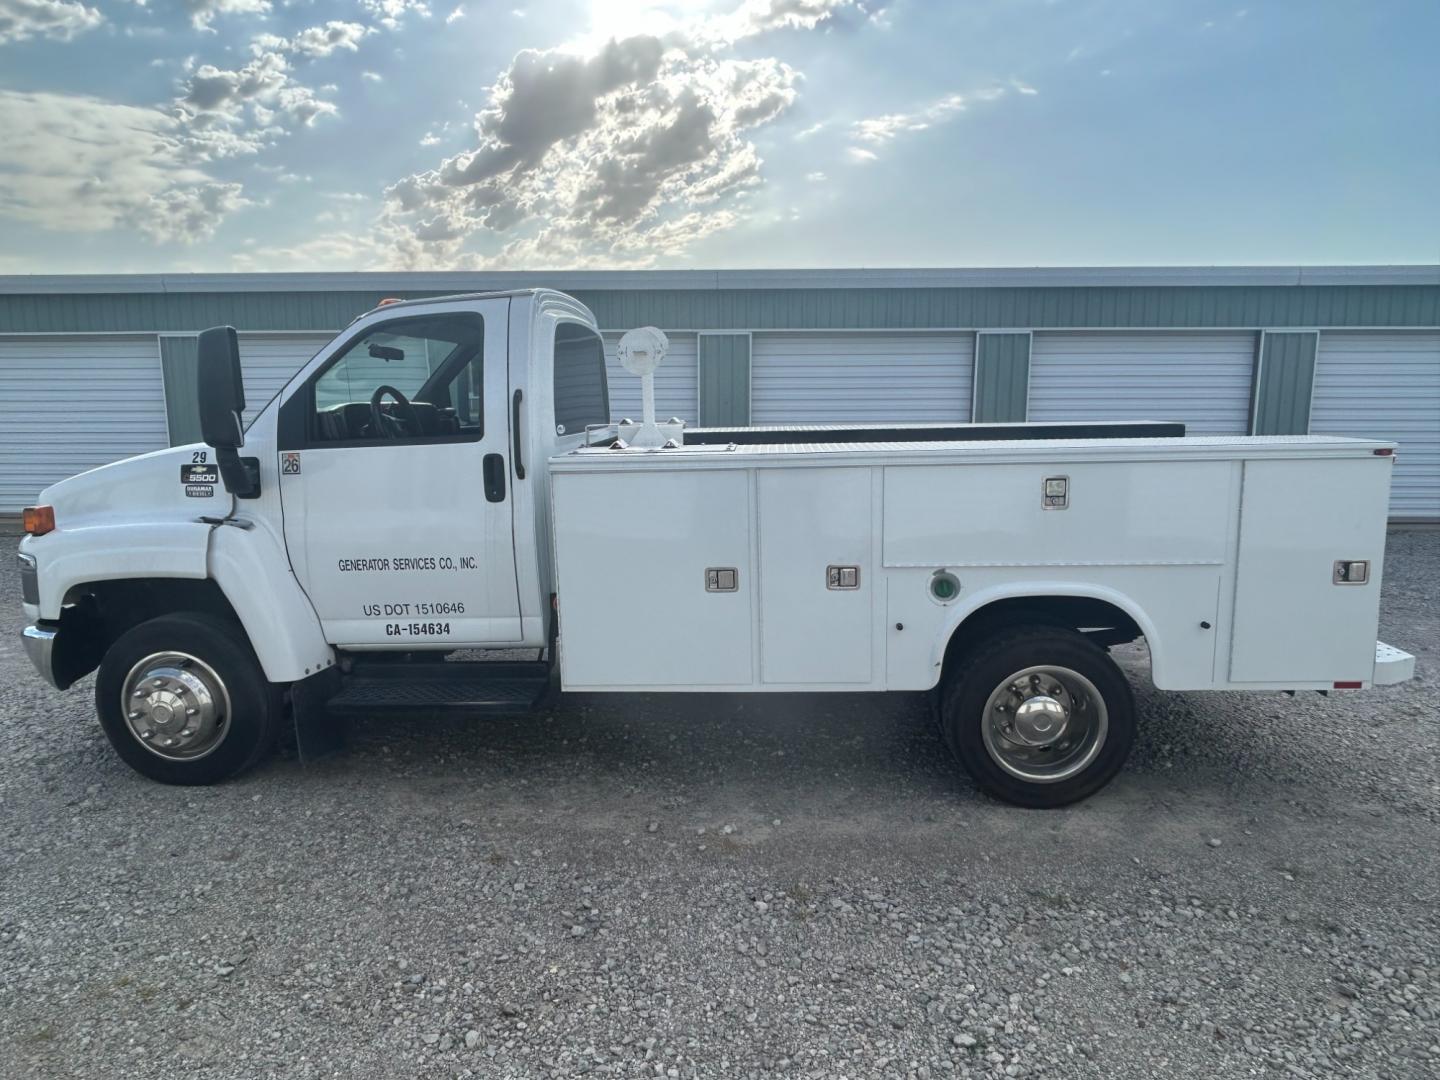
x=443 y=480
x=388 y=502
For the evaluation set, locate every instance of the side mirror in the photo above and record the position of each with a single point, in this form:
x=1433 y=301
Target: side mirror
x=221 y=388
x=221 y=392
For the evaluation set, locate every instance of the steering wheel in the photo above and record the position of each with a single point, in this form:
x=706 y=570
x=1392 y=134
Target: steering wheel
x=388 y=426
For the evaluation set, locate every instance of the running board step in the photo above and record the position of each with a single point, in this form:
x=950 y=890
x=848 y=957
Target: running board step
x=482 y=689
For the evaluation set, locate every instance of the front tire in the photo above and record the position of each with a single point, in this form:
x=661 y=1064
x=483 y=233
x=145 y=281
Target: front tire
x=183 y=700
x=1039 y=716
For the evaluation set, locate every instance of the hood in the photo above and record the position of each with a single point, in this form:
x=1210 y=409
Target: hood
x=179 y=483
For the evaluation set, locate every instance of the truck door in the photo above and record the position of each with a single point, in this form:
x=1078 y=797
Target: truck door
x=396 y=482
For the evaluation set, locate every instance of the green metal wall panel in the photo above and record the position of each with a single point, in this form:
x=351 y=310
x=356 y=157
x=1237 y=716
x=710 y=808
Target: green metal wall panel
x=1002 y=378
x=1093 y=307
x=1287 y=375
x=724 y=380
x=178 y=360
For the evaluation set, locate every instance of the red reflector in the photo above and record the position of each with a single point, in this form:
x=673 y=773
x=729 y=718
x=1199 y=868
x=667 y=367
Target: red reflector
x=1384 y=451
x=1348 y=685
x=38 y=520
x=388 y=300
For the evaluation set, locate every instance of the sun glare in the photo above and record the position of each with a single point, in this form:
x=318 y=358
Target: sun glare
x=625 y=18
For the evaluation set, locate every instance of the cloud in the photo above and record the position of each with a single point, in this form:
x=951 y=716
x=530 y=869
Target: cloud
x=390 y=13
x=762 y=16
x=323 y=40
x=614 y=151
x=627 y=153
x=79 y=164
x=21 y=20
x=816 y=177
x=226 y=112
x=185 y=214
x=457 y=13
x=315 y=42
x=339 y=249
x=878 y=130
x=203 y=12
x=791 y=14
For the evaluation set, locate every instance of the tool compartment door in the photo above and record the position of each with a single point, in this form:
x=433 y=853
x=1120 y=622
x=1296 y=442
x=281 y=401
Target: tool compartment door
x=813 y=629
x=1292 y=623
x=635 y=553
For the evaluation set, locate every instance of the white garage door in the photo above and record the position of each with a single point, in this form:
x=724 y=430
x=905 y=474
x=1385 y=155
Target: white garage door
x=675 y=382
x=1386 y=385
x=70 y=404
x=1202 y=379
x=806 y=378
x=269 y=361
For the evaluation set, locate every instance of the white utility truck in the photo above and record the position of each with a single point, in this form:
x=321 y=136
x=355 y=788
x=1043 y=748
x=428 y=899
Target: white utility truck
x=443 y=479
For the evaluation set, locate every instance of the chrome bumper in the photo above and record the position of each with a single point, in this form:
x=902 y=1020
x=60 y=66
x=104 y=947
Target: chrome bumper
x=40 y=647
x=1392 y=665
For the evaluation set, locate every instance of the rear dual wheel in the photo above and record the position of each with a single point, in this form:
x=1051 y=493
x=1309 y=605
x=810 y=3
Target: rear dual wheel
x=1038 y=716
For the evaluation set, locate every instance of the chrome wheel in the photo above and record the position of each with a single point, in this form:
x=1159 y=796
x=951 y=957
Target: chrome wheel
x=1045 y=724
x=175 y=705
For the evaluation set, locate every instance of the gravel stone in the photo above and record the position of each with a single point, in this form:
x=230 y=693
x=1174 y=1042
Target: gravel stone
x=468 y=899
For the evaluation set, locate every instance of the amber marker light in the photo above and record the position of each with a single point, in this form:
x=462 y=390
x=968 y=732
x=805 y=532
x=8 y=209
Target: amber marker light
x=38 y=520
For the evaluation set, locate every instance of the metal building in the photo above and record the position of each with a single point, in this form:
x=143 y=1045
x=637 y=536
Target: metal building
x=95 y=368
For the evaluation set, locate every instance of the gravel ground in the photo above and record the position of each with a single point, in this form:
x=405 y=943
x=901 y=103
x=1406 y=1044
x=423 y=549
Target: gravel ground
x=725 y=886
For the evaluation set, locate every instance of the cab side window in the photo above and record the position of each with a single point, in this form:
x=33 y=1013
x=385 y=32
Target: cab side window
x=416 y=379
x=581 y=395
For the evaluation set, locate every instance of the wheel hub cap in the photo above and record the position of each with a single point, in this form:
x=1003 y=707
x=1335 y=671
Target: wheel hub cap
x=175 y=705
x=1045 y=724
x=1041 y=720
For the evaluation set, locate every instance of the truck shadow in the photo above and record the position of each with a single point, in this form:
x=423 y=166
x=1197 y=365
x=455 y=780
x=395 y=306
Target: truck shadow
x=827 y=752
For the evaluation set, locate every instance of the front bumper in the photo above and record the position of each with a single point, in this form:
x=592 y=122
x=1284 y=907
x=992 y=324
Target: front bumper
x=1392 y=665
x=40 y=647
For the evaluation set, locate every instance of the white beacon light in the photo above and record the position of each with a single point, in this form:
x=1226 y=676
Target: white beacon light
x=640 y=352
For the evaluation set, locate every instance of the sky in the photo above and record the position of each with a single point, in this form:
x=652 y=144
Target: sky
x=275 y=135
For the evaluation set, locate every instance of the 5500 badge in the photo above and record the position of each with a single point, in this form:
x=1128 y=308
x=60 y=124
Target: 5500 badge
x=199 y=478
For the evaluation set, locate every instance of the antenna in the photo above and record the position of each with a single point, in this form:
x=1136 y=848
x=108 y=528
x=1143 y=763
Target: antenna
x=640 y=352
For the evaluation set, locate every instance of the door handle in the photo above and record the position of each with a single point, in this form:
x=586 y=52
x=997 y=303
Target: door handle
x=493 y=468
x=515 y=432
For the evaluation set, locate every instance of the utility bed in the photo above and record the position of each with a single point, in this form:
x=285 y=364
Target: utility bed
x=1222 y=550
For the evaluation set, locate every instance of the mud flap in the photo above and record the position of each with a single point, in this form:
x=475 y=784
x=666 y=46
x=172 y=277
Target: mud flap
x=318 y=734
